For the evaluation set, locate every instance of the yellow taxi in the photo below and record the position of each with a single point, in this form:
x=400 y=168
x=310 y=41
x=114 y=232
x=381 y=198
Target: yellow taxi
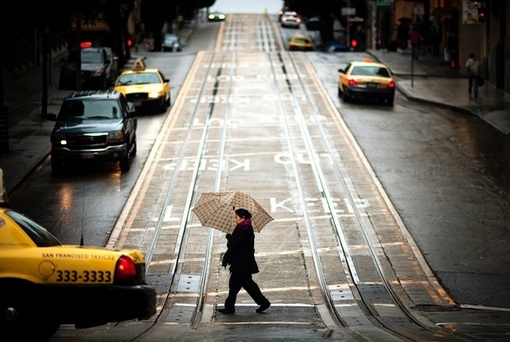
x=44 y=283
x=146 y=88
x=366 y=80
x=302 y=43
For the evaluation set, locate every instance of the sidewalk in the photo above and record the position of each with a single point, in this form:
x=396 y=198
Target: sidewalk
x=428 y=80
x=29 y=134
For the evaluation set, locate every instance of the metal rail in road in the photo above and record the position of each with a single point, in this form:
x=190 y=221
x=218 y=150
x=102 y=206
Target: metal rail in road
x=336 y=262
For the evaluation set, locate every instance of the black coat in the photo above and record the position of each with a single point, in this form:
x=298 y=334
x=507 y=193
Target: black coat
x=240 y=254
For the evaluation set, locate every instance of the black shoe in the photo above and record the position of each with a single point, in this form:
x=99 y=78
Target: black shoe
x=263 y=307
x=227 y=311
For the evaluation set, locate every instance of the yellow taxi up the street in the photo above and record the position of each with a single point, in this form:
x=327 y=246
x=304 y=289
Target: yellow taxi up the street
x=146 y=88
x=366 y=80
x=302 y=43
x=44 y=283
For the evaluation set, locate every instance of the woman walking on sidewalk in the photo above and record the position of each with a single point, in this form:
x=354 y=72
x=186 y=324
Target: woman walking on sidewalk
x=473 y=69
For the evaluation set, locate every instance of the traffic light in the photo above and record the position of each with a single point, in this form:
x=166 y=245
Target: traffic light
x=481 y=15
x=354 y=43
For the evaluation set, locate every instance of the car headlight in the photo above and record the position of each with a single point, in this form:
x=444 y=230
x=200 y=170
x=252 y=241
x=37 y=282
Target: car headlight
x=116 y=137
x=58 y=139
x=155 y=95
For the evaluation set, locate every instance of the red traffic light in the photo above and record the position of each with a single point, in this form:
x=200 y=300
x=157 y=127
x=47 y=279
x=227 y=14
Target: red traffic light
x=129 y=43
x=354 y=43
x=481 y=15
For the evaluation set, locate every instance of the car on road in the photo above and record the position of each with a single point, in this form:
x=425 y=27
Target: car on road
x=301 y=42
x=281 y=11
x=45 y=283
x=91 y=126
x=337 y=47
x=216 y=16
x=366 y=80
x=97 y=69
x=171 y=42
x=290 y=19
x=147 y=88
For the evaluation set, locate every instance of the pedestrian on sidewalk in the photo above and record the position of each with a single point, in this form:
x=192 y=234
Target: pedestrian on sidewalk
x=415 y=39
x=240 y=255
x=403 y=36
x=473 y=69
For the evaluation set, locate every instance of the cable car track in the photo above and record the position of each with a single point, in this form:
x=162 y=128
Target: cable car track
x=401 y=324
x=360 y=291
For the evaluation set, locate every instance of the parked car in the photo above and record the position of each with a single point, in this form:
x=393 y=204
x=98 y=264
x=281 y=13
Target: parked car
x=97 y=69
x=147 y=88
x=366 y=80
x=94 y=126
x=216 y=16
x=45 y=283
x=313 y=23
x=337 y=47
x=301 y=42
x=110 y=55
x=171 y=42
x=291 y=19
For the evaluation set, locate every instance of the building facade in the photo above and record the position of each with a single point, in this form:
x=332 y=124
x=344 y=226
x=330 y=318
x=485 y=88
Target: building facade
x=452 y=29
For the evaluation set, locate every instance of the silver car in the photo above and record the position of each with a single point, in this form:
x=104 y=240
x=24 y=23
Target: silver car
x=171 y=42
x=291 y=19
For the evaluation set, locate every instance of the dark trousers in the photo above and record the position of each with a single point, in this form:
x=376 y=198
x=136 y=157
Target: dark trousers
x=415 y=51
x=245 y=281
x=473 y=85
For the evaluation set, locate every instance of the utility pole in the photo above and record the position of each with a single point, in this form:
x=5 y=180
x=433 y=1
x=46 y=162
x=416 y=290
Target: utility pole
x=347 y=12
x=45 y=65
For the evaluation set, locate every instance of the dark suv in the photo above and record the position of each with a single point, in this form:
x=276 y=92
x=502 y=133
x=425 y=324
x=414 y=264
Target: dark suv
x=95 y=125
x=97 y=71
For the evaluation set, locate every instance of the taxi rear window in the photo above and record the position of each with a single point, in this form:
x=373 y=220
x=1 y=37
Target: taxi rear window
x=38 y=234
x=370 y=71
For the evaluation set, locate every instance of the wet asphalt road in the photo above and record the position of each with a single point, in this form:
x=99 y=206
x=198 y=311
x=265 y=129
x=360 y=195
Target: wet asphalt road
x=447 y=175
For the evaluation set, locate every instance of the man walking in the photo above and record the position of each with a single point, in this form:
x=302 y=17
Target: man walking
x=473 y=69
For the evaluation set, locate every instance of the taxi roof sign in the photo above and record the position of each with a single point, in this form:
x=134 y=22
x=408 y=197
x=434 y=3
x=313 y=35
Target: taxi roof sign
x=139 y=65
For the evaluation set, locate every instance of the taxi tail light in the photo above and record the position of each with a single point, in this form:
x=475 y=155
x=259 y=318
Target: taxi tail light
x=125 y=271
x=391 y=85
x=352 y=82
